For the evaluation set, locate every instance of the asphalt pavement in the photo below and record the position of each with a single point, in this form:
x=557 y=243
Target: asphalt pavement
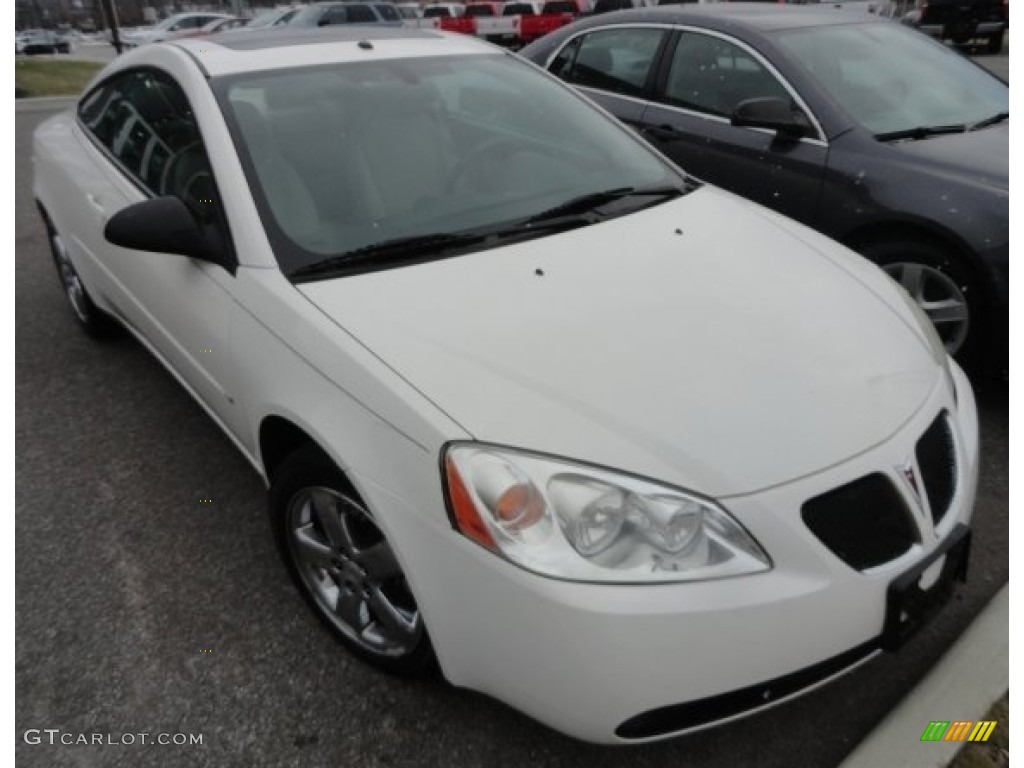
x=141 y=609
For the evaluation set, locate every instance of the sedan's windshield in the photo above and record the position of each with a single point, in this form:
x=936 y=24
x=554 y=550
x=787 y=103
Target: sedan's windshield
x=348 y=157
x=895 y=81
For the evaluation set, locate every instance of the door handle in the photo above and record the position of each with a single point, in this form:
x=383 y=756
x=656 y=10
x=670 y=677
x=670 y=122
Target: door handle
x=97 y=206
x=664 y=132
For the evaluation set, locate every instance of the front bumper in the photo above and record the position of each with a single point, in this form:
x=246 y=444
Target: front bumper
x=946 y=31
x=627 y=663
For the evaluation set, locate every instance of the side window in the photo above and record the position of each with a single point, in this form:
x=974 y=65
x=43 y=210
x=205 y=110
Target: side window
x=361 y=14
x=333 y=15
x=712 y=75
x=146 y=122
x=616 y=60
x=389 y=12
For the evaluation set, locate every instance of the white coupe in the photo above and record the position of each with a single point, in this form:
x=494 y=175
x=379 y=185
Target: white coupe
x=618 y=448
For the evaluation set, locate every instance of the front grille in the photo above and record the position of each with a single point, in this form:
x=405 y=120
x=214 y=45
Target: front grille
x=865 y=523
x=936 y=458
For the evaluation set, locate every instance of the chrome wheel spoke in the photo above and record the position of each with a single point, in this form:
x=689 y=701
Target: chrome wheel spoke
x=311 y=547
x=379 y=562
x=392 y=620
x=946 y=311
x=912 y=279
x=325 y=509
x=350 y=609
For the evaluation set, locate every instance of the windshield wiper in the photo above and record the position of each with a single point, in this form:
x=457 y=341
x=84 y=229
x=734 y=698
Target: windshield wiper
x=416 y=247
x=998 y=117
x=587 y=203
x=400 y=251
x=920 y=132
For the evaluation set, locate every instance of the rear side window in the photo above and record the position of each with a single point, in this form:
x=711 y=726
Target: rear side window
x=615 y=60
x=388 y=12
x=436 y=11
x=144 y=121
x=360 y=14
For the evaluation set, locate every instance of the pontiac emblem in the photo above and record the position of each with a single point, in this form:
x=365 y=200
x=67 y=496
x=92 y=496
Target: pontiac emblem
x=908 y=473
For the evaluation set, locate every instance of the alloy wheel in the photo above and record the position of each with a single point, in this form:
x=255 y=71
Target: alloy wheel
x=73 y=287
x=939 y=296
x=350 y=570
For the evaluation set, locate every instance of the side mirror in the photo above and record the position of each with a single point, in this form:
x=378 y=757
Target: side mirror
x=773 y=113
x=165 y=225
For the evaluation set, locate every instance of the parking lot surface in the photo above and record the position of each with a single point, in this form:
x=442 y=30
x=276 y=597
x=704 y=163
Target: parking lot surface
x=142 y=608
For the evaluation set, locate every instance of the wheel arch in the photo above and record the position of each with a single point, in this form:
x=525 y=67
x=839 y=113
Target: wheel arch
x=925 y=232
x=279 y=437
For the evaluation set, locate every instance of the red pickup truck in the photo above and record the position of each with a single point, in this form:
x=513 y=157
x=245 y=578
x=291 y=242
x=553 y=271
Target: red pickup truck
x=554 y=14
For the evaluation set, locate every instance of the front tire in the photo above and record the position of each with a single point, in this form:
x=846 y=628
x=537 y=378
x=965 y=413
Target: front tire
x=344 y=565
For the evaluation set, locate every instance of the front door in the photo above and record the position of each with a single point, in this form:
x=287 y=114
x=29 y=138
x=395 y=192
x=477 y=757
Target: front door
x=703 y=78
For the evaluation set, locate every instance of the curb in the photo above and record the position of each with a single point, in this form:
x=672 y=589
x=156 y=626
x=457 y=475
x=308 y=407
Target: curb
x=971 y=675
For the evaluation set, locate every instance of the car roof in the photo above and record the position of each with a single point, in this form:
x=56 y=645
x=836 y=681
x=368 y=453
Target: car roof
x=762 y=17
x=234 y=52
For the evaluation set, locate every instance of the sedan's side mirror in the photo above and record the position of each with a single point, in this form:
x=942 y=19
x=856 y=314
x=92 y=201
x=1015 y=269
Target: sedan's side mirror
x=773 y=113
x=165 y=225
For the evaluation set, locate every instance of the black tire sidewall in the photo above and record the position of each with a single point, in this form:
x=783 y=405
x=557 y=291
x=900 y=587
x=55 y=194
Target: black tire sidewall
x=308 y=467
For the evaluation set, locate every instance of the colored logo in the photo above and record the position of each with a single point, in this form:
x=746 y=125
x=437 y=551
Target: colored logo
x=908 y=473
x=958 y=730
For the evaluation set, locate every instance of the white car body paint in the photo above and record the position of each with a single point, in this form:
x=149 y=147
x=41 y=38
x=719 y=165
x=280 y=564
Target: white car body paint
x=747 y=358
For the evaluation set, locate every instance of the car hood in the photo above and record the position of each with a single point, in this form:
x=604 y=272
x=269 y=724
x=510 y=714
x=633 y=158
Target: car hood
x=700 y=342
x=981 y=157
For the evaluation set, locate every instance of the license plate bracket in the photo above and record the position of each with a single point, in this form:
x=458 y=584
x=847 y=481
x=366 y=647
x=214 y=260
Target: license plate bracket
x=908 y=606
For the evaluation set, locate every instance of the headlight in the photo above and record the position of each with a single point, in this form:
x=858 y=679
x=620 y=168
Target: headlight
x=572 y=521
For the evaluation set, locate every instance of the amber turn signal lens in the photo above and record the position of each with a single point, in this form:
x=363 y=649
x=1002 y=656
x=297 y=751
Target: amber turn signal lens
x=467 y=519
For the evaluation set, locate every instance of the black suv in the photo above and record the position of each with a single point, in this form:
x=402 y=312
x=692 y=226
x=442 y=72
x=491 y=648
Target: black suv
x=962 y=20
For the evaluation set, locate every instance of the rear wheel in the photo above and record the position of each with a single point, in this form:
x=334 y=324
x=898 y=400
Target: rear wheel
x=91 y=318
x=344 y=565
x=940 y=284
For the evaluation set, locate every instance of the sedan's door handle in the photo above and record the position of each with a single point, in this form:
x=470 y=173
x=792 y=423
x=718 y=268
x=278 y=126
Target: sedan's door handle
x=664 y=132
x=97 y=206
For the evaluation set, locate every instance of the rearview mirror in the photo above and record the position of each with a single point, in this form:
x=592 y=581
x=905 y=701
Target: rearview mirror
x=773 y=113
x=165 y=225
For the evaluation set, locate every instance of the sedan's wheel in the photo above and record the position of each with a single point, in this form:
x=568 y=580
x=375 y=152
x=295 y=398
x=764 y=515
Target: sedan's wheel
x=345 y=566
x=941 y=286
x=940 y=298
x=91 y=318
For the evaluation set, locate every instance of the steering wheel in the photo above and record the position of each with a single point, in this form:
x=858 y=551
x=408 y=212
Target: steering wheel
x=187 y=169
x=491 y=148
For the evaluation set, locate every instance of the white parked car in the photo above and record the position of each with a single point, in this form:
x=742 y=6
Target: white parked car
x=621 y=449
x=170 y=27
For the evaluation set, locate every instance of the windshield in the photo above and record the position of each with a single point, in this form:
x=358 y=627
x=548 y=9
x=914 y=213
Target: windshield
x=346 y=156
x=891 y=79
x=265 y=19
